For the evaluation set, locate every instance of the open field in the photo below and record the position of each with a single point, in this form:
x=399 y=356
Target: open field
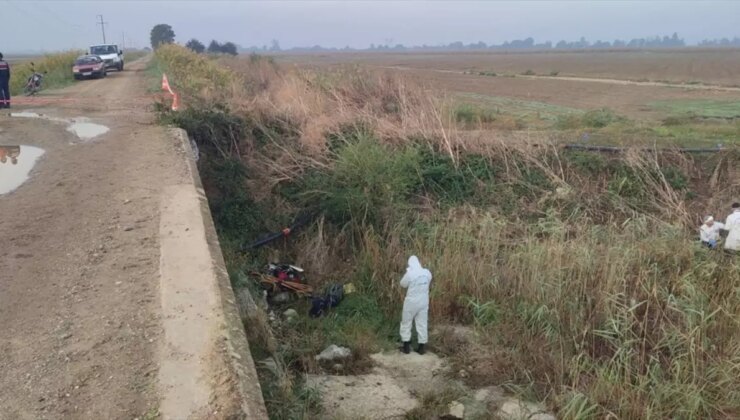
x=694 y=89
x=678 y=66
x=491 y=76
x=20 y=59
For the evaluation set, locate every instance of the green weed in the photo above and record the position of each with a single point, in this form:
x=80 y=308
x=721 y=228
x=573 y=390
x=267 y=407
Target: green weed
x=589 y=163
x=455 y=184
x=367 y=181
x=704 y=108
x=471 y=115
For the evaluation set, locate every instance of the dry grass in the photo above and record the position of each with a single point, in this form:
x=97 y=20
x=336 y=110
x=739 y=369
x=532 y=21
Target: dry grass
x=589 y=293
x=57 y=69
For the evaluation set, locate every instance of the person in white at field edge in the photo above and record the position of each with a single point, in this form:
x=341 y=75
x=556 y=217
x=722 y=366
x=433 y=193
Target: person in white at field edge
x=416 y=305
x=709 y=232
x=732 y=224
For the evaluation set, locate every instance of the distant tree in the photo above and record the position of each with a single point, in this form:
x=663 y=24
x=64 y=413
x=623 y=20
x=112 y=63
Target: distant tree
x=636 y=43
x=275 y=45
x=162 y=34
x=196 y=46
x=229 y=48
x=214 y=47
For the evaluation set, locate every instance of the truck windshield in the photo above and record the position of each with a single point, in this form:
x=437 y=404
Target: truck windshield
x=103 y=49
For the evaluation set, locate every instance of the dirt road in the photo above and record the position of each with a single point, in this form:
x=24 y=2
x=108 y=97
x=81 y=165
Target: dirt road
x=80 y=319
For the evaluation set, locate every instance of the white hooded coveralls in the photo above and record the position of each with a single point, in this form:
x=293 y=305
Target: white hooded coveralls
x=732 y=224
x=710 y=233
x=416 y=305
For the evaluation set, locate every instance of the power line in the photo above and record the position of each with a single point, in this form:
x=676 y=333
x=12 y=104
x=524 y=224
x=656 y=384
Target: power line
x=102 y=26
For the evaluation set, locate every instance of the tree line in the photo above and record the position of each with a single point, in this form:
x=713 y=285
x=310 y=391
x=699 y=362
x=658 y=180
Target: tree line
x=724 y=42
x=214 y=47
x=522 y=44
x=673 y=41
x=164 y=34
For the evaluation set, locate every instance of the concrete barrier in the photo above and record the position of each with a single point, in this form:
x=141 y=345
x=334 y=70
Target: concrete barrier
x=206 y=370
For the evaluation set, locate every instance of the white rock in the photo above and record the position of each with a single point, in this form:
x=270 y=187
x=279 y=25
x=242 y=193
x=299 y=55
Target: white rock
x=290 y=313
x=542 y=416
x=333 y=353
x=514 y=409
x=456 y=410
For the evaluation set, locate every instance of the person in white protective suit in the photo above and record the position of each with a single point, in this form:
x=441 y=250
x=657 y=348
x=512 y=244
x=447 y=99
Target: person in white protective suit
x=416 y=305
x=709 y=232
x=732 y=224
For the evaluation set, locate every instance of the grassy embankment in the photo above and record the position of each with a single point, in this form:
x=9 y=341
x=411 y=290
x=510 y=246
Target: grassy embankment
x=58 y=68
x=580 y=272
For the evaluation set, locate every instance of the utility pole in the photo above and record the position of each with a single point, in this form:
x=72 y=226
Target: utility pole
x=102 y=26
x=123 y=39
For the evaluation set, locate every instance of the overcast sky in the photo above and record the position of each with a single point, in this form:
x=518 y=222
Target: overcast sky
x=54 y=25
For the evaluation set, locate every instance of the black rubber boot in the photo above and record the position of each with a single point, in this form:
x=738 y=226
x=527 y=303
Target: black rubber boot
x=421 y=349
x=406 y=349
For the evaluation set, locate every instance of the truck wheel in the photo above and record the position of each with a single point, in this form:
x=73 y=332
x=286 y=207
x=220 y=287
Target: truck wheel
x=120 y=67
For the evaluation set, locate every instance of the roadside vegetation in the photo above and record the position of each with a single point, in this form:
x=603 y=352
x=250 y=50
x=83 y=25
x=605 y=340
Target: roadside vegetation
x=130 y=56
x=58 y=69
x=579 y=272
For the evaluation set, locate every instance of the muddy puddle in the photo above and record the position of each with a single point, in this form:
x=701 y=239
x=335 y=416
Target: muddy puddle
x=16 y=163
x=80 y=127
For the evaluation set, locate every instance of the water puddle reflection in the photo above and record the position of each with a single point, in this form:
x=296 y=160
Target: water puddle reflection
x=80 y=127
x=16 y=163
x=86 y=130
x=25 y=114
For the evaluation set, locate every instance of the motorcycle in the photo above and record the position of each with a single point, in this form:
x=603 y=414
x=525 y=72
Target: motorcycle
x=33 y=84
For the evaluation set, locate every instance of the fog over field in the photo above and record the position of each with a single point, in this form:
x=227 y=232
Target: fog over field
x=30 y=26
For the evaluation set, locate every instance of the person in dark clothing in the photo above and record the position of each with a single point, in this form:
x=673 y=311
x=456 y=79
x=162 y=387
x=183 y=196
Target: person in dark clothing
x=4 y=83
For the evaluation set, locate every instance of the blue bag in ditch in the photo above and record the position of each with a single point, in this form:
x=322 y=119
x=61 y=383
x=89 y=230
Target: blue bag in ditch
x=331 y=298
